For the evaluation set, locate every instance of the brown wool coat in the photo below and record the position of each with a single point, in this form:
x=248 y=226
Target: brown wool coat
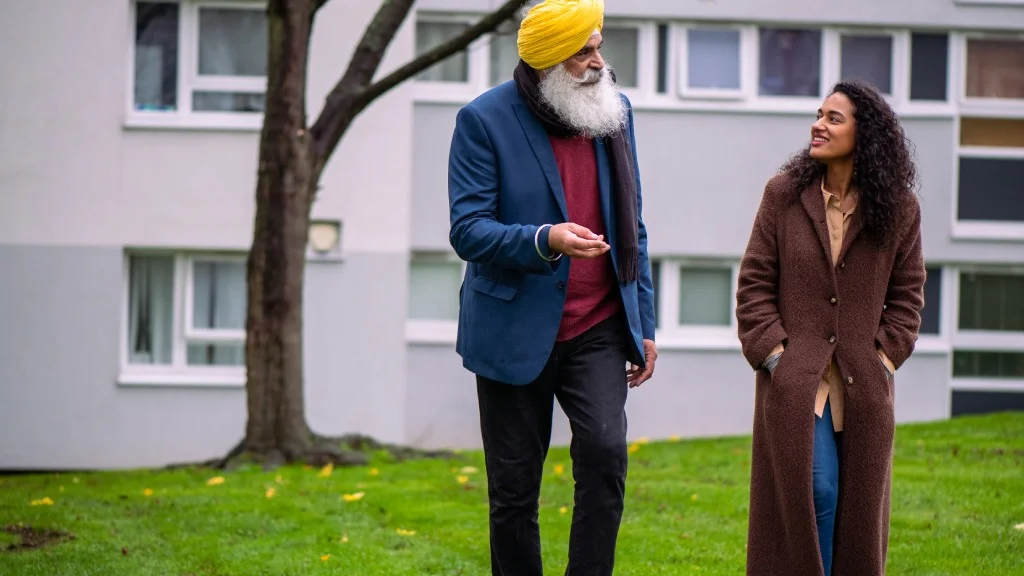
x=790 y=292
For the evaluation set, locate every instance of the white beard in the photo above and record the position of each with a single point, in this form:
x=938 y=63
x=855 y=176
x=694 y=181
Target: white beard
x=593 y=108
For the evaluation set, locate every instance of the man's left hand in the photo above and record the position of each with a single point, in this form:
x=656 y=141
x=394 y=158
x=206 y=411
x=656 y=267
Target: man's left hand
x=635 y=376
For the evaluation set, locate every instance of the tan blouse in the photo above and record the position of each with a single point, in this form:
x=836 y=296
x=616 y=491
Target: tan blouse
x=837 y=215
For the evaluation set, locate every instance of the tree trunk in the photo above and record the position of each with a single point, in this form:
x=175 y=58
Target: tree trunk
x=277 y=427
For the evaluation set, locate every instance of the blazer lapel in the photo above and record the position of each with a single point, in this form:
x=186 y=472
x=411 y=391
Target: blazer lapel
x=541 y=145
x=814 y=204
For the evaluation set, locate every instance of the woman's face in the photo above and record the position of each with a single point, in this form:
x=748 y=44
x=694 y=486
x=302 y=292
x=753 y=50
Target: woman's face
x=834 y=134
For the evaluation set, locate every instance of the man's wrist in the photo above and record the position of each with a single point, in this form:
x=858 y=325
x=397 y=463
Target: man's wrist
x=540 y=242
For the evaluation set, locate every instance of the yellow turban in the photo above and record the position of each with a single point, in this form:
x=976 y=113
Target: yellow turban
x=554 y=30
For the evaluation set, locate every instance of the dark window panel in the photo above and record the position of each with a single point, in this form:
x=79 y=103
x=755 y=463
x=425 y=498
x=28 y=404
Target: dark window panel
x=656 y=280
x=991 y=189
x=867 y=58
x=996 y=365
x=156 y=56
x=983 y=402
x=930 y=316
x=663 y=38
x=991 y=302
x=929 y=66
x=790 y=62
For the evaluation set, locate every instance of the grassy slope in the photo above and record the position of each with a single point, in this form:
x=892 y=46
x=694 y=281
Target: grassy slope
x=958 y=493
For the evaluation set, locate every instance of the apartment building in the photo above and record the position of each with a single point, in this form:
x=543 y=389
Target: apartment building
x=129 y=133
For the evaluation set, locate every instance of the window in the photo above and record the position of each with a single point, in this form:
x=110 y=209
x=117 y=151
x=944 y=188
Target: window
x=991 y=302
x=790 y=62
x=929 y=66
x=620 y=50
x=712 y=63
x=705 y=296
x=930 y=314
x=430 y=34
x=504 y=57
x=191 y=57
x=867 y=58
x=989 y=344
x=663 y=48
x=435 y=281
x=995 y=69
x=185 y=318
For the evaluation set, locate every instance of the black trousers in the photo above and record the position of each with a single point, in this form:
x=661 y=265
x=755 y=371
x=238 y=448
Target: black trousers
x=588 y=377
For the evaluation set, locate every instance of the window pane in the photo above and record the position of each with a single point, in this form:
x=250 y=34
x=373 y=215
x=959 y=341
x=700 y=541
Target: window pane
x=227 y=102
x=930 y=316
x=713 y=59
x=929 y=66
x=790 y=62
x=995 y=132
x=504 y=57
x=995 y=68
x=150 y=309
x=232 y=42
x=434 y=289
x=988 y=364
x=619 y=50
x=991 y=189
x=218 y=295
x=219 y=354
x=453 y=69
x=868 y=58
x=991 y=302
x=663 y=42
x=156 y=56
x=705 y=295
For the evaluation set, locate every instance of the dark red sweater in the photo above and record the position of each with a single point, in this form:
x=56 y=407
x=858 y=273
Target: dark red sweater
x=592 y=294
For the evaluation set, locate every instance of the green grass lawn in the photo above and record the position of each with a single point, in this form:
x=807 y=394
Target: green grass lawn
x=958 y=506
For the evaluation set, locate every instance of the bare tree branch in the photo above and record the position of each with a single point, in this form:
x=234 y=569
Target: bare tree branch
x=354 y=92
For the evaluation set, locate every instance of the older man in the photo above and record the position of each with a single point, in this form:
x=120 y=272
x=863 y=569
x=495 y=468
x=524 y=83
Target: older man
x=545 y=204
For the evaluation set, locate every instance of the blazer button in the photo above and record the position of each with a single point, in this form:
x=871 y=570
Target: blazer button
x=834 y=300
x=561 y=285
x=832 y=339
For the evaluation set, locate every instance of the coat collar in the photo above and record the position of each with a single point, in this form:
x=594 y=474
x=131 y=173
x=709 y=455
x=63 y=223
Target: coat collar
x=814 y=205
x=541 y=146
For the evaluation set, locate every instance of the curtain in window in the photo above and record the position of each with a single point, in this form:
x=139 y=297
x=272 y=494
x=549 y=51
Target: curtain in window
x=150 y=309
x=218 y=303
x=713 y=60
x=231 y=43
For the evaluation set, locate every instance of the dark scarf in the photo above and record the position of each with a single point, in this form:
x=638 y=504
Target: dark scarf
x=623 y=176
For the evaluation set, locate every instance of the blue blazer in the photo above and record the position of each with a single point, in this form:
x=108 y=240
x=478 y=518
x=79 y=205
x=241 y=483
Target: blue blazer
x=503 y=184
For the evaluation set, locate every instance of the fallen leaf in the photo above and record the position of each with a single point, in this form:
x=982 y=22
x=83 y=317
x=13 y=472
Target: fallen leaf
x=326 y=470
x=469 y=470
x=633 y=448
x=559 y=469
x=75 y=480
x=1019 y=526
x=216 y=480
x=124 y=551
x=147 y=492
x=344 y=538
x=563 y=510
x=353 y=497
x=41 y=502
x=402 y=532
x=325 y=557
x=462 y=479
x=695 y=497
x=374 y=472
x=270 y=492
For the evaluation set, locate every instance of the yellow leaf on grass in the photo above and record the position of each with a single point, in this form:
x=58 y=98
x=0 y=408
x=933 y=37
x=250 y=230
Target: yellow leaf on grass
x=352 y=497
x=402 y=532
x=344 y=538
x=559 y=469
x=694 y=497
x=1019 y=526
x=326 y=470
x=374 y=472
x=215 y=481
x=270 y=492
x=563 y=510
x=462 y=479
x=469 y=470
x=325 y=557
x=643 y=440
x=633 y=448
x=147 y=492
x=41 y=502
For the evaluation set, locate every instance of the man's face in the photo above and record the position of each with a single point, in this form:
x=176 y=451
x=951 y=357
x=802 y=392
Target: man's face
x=588 y=58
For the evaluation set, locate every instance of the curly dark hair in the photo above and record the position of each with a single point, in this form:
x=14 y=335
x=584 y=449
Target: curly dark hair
x=884 y=172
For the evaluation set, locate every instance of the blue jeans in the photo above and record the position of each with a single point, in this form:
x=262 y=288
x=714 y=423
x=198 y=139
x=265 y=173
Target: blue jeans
x=826 y=482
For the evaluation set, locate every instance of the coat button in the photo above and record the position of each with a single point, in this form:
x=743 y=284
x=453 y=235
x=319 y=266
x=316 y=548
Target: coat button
x=842 y=264
x=561 y=285
x=834 y=300
x=832 y=339
x=849 y=379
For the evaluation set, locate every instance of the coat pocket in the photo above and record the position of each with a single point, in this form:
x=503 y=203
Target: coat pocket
x=493 y=289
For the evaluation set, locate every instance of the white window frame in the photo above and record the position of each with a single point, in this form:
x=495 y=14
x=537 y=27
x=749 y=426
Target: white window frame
x=673 y=335
x=748 y=62
x=189 y=80
x=646 y=56
x=477 y=66
x=422 y=331
x=178 y=372
x=982 y=340
x=899 y=65
x=990 y=107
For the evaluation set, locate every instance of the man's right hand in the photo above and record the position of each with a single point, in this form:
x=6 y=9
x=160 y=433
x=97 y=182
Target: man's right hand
x=576 y=241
